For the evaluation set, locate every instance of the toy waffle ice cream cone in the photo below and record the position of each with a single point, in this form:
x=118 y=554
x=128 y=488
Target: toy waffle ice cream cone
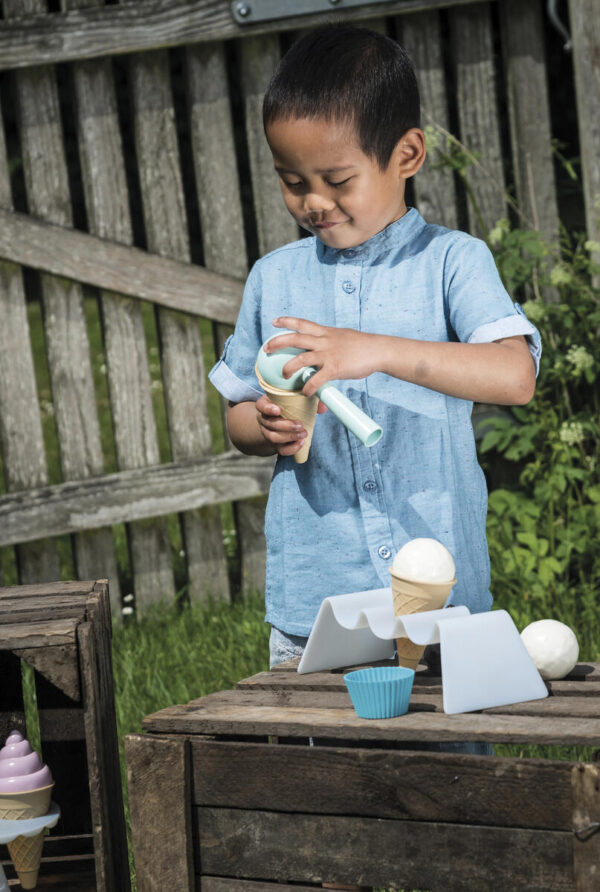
x=25 y=790
x=295 y=407
x=422 y=578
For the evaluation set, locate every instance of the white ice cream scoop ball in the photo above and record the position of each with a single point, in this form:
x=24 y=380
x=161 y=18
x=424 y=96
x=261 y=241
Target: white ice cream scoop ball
x=424 y=560
x=552 y=646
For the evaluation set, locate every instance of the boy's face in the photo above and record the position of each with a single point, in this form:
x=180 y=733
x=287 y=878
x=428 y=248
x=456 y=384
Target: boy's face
x=331 y=187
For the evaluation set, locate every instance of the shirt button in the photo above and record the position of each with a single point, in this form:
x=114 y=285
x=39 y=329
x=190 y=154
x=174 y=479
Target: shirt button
x=384 y=552
x=348 y=287
x=369 y=485
x=350 y=253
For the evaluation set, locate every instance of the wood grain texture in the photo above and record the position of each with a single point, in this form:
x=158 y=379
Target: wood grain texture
x=110 y=845
x=69 y=360
x=158 y=781
x=379 y=852
x=151 y=24
x=21 y=437
x=386 y=784
x=585 y=780
x=471 y=34
x=529 y=115
x=294 y=721
x=435 y=192
x=222 y=884
x=117 y=267
x=585 y=34
x=182 y=360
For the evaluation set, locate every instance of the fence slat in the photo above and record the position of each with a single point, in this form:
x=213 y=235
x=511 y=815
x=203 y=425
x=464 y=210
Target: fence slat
x=105 y=187
x=471 y=35
x=111 y=266
x=585 y=32
x=130 y=495
x=223 y=238
x=181 y=346
x=434 y=187
x=151 y=24
x=24 y=459
x=259 y=57
x=48 y=195
x=529 y=113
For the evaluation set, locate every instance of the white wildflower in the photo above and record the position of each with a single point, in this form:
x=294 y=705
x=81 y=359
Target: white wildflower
x=571 y=433
x=127 y=611
x=579 y=358
x=128 y=598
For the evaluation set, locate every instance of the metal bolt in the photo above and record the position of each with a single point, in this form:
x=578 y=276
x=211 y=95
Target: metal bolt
x=243 y=9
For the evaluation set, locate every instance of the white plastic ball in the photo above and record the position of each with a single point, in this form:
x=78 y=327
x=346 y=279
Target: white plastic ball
x=552 y=646
x=424 y=560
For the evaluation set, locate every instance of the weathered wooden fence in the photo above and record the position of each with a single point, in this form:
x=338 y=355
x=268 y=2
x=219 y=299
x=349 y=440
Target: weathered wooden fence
x=133 y=147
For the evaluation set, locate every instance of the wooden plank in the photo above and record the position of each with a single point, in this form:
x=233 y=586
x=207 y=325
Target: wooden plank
x=181 y=346
x=69 y=361
x=472 y=43
x=37 y=635
x=221 y=221
x=585 y=35
x=58 y=664
x=585 y=781
x=70 y=589
x=384 y=853
x=110 y=845
x=258 y=58
x=402 y=785
x=131 y=495
x=529 y=115
x=151 y=24
x=221 y=884
x=105 y=263
x=575 y=707
x=229 y=718
x=21 y=437
x=434 y=186
x=159 y=801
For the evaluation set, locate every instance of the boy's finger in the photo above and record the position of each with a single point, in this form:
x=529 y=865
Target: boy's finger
x=303 y=326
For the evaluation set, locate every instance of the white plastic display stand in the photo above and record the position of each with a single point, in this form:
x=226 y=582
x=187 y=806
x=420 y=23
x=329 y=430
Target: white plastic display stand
x=484 y=661
x=9 y=830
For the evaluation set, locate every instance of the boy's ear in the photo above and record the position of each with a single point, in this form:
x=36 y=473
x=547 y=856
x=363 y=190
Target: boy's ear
x=410 y=152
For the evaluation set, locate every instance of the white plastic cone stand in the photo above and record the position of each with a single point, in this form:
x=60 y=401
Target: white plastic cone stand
x=484 y=661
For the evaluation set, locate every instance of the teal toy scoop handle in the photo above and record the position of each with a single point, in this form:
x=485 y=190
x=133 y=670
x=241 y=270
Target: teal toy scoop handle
x=357 y=421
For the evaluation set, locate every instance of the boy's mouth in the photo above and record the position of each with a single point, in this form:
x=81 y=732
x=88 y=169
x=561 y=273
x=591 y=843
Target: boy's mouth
x=323 y=225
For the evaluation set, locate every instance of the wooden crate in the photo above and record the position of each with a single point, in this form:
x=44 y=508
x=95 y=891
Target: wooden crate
x=226 y=795
x=63 y=631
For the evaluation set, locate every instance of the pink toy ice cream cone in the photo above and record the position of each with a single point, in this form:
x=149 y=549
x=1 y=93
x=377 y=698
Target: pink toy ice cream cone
x=25 y=788
x=422 y=578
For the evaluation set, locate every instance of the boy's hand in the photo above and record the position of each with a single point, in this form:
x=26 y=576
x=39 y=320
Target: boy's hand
x=285 y=437
x=336 y=353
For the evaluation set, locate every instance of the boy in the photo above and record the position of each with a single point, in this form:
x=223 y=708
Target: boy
x=410 y=320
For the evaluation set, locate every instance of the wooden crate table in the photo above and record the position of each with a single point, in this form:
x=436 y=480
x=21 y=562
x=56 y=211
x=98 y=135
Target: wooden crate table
x=63 y=631
x=227 y=795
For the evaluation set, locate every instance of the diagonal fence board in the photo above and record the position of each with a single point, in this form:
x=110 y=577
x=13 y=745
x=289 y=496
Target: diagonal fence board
x=126 y=496
x=103 y=262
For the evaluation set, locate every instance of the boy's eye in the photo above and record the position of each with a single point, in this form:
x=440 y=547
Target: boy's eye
x=341 y=182
x=293 y=185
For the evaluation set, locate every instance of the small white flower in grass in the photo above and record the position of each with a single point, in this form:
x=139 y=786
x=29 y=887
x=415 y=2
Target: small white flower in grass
x=571 y=433
x=103 y=369
x=128 y=598
x=127 y=611
x=182 y=553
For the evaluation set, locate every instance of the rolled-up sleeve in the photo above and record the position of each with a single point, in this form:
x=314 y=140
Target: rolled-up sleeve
x=233 y=375
x=479 y=308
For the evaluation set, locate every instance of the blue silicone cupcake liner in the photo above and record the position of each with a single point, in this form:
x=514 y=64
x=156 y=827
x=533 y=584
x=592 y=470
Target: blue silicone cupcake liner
x=380 y=692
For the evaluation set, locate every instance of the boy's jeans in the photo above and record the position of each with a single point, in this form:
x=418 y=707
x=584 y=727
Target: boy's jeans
x=284 y=647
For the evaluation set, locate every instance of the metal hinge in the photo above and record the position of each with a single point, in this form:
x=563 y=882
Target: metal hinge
x=246 y=12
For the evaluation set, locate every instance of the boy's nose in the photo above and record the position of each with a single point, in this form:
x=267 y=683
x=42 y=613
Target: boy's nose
x=315 y=203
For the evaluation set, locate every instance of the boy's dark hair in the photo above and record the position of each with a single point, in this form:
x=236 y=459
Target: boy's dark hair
x=340 y=72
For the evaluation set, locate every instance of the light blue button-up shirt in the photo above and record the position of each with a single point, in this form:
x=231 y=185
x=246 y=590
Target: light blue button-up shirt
x=334 y=524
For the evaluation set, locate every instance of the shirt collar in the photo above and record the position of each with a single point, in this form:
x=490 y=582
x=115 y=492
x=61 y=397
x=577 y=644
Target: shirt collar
x=396 y=235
